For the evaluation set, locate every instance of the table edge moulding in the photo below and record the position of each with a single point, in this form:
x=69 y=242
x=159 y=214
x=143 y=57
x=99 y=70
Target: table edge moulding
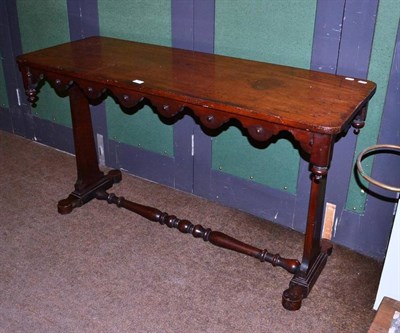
x=266 y=99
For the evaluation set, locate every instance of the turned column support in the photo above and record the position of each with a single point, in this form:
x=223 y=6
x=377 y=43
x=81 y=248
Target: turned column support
x=316 y=250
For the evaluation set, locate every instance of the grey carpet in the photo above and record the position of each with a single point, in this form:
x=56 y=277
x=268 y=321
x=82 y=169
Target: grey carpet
x=104 y=269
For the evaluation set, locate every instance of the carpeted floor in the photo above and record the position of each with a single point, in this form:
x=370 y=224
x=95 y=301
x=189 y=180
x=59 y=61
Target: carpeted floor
x=104 y=269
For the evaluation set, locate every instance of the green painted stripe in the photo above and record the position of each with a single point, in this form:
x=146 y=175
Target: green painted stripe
x=43 y=25
x=379 y=72
x=272 y=31
x=141 y=21
x=279 y=32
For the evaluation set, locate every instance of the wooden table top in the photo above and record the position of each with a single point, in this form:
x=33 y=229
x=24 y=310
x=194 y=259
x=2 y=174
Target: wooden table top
x=298 y=98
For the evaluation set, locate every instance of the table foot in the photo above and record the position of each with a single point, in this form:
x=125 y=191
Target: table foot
x=79 y=198
x=301 y=284
x=292 y=298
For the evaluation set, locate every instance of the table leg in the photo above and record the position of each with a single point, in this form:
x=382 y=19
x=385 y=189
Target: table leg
x=315 y=253
x=316 y=250
x=89 y=177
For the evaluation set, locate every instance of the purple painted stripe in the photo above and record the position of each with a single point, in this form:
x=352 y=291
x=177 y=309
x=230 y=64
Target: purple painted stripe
x=300 y=209
x=11 y=46
x=204 y=25
x=364 y=233
x=251 y=197
x=54 y=135
x=327 y=35
x=192 y=28
x=354 y=55
x=5 y=119
x=357 y=34
x=376 y=224
x=182 y=37
x=355 y=50
x=182 y=24
x=204 y=32
x=137 y=161
x=357 y=37
x=183 y=170
x=193 y=25
x=325 y=51
x=350 y=42
x=83 y=19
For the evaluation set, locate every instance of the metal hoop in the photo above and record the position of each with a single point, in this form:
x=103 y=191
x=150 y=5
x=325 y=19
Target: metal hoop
x=368 y=178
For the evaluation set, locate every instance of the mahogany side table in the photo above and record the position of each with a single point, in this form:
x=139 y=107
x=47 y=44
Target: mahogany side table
x=266 y=99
